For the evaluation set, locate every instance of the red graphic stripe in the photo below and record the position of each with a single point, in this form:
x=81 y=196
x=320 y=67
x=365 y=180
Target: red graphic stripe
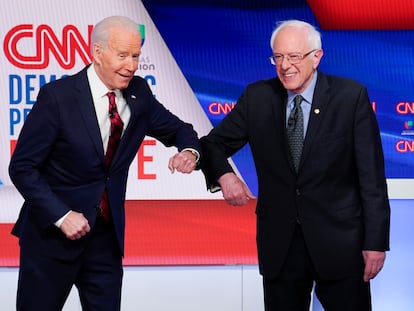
x=179 y=232
x=363 y=14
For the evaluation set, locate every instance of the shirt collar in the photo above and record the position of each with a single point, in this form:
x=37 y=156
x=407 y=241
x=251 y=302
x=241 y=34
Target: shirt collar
x=98 y=88
x=307 y=94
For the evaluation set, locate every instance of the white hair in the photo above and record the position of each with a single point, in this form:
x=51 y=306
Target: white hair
x=314 y=36
x=101 y=31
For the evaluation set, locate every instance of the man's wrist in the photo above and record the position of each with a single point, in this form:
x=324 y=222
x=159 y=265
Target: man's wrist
x=59 y=222
x=194 y=152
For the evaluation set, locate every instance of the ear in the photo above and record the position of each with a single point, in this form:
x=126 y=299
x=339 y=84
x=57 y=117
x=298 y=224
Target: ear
x=317 y=58
x=96 y=52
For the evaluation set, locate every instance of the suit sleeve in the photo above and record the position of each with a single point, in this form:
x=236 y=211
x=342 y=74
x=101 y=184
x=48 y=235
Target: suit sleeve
x=170 y=129
x=229 y=136
x=371 y=174
x=32 y=149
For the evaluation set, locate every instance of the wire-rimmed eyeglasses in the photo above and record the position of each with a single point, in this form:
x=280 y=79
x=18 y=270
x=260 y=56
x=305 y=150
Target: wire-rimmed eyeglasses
x=293 y=58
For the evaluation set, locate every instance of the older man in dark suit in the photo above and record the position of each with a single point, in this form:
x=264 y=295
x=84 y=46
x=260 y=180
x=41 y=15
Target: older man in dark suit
x=71 y=164
x=322 y=211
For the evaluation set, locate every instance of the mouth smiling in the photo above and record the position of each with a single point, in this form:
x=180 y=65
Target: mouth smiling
x=289 y=76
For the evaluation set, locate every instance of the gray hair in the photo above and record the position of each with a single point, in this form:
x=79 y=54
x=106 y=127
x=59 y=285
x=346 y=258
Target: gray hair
x=314 y=36
x=101 y=31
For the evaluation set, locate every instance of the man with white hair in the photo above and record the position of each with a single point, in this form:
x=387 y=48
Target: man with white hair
x=323 y=214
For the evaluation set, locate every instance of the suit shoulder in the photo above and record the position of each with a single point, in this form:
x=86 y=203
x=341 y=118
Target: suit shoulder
x=264 y=83
x=138 y=86
x=66 y=81
x=271 y=85
x=138 y=81
x=343 y=82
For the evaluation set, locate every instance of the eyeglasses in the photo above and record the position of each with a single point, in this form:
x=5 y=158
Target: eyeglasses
x=293 y=58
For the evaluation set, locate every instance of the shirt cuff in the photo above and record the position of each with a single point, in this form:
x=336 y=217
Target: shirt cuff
x=195 y=152
x=60 y=220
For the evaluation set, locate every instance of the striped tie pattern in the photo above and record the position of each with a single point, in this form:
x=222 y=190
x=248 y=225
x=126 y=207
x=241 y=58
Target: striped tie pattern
x=114 y=139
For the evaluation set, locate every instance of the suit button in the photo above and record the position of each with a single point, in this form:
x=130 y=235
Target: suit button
x=298 y=192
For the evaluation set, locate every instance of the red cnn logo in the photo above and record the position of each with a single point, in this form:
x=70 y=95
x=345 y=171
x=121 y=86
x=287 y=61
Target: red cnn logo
x=404 y=146
x=46 y=43
x=405 y=108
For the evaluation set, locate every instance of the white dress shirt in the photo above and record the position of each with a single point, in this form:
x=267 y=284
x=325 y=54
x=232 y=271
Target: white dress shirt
x=101 y=104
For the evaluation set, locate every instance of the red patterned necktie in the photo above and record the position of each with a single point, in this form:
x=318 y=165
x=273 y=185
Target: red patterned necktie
x=113 y=142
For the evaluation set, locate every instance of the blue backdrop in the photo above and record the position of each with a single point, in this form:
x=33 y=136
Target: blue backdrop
x=223 y=45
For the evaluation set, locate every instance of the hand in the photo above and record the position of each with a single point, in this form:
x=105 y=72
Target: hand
x=75 y=226
x=184 y=162
x=235 y=192
x=374 y=261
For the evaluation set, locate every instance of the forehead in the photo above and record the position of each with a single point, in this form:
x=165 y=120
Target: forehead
x=291 y=39
x=122 y=39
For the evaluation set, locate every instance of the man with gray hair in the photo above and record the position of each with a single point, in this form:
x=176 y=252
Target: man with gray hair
x=71 y=166
x=323 y=214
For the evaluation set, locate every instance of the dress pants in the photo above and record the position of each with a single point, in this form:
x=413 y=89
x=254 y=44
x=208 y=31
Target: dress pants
x=291 y=289
x=45 y=283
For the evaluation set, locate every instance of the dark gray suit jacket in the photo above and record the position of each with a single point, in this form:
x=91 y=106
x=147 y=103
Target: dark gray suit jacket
x=339 y=194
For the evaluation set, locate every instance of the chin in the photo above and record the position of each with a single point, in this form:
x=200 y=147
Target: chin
x=121 y=86
x=290 y=86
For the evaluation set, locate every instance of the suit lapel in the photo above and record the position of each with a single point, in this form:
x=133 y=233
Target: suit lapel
x=317 y=113
x=84 y=103
x=279 y=112
x=132 y=101
x=128 y=137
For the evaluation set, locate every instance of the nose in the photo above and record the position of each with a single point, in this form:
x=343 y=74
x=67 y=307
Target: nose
x=131 y=64
x=285 y=63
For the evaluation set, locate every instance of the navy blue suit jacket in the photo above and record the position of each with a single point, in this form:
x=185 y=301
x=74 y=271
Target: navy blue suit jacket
x=58 y=163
